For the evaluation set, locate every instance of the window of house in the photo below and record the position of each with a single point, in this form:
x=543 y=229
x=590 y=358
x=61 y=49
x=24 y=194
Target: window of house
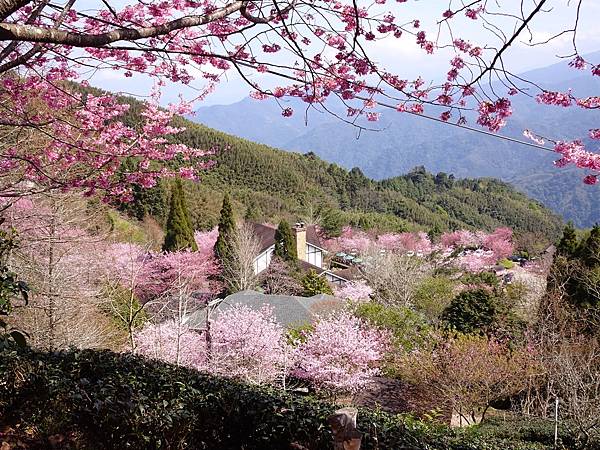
x=314 y=255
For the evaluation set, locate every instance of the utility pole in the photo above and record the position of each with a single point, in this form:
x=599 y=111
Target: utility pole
x=556 y=423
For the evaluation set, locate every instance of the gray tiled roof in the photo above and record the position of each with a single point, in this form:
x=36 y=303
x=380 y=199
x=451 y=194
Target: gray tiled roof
x=287 y=309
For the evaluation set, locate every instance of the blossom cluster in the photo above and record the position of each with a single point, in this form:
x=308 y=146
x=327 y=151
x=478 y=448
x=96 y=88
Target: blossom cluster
x=342 y=353
x=81 y=141
x=472 y=250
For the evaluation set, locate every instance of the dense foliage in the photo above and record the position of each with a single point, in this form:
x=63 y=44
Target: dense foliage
x=314 y=284
x=226 y=229
x=285 y=243
x=471 y=312
x=107 y=400
x=577 y=268
x=179 y=231
x=271 y=184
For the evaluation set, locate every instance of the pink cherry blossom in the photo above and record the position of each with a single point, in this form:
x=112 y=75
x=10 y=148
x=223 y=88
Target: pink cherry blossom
x=355 y=291
x=341 y=354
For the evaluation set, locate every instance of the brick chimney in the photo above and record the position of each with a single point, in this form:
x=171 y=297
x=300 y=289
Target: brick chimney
x=300 y=234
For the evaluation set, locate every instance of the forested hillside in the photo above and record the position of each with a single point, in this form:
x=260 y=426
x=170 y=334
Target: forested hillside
x=268 y=184
x=404 y=141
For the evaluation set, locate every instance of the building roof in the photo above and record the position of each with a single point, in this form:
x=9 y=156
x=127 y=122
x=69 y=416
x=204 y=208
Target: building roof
x=266 y=235
x=348 y=274
x=288 y=310
x=307 y=267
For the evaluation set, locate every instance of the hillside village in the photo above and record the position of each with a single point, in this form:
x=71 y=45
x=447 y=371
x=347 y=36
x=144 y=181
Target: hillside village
x=308 y=309
x=167 y=285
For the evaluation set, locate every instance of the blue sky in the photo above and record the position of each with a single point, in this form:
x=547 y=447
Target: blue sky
x=403 y=57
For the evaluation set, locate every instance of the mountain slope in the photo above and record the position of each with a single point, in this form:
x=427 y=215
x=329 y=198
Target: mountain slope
x=268 y=184
x=406 y=141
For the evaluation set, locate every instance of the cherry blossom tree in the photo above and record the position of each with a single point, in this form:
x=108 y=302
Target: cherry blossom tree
x=245 y=344
x=124 y=274
x=478 y=250
x=53 y=136
x=341 y=354
x=417 y=243
x=248 y=344
x=171 y=343
x=60 y=240
x=356 y=291
x=350 y=240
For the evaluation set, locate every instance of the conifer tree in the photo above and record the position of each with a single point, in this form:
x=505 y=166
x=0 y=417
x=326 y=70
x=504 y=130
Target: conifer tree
x=180 y=233
x=590 y=248
x=285 y=243
x=226 y=230
x=568 y=242
x=314 y=284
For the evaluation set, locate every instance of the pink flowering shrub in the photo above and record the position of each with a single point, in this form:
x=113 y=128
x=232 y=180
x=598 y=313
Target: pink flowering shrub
x=355 y=291
x=248 y=344
x=342 y=354
x=245 y=344
x=418 y=243
x=170 y=342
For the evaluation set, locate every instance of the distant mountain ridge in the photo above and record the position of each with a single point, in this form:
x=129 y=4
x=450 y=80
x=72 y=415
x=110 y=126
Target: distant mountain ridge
x=407 y=141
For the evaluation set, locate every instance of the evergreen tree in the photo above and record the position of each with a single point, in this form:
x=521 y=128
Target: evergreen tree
x=180 y=233
x=471 y=312
x=146 y=201
x=434 y=232
x=590 y=248
x=314 y=284
x=568 y=242
x=226 y=230
x=285 y=243
x=333 y=222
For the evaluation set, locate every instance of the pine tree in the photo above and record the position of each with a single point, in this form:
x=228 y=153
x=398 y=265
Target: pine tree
x=226 y=230
x=568 y=242
x=590 y=248
x=180 y=234
x=285 y=243
x=434 y=232
x=314 y=284
x=333 y=222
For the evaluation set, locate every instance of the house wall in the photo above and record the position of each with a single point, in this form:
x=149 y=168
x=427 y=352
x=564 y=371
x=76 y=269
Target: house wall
x=262 y=261
x=314 y=255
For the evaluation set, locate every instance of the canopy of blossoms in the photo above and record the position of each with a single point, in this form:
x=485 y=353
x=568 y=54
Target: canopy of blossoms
x=55 y=136
x=471 y=250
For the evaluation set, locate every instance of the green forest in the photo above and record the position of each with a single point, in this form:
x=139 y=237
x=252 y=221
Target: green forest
x=267 y=184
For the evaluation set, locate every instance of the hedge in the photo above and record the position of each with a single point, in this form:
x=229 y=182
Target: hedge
x=105 y=400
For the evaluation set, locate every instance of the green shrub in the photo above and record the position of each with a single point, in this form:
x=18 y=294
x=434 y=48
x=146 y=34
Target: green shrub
x=506 y=263
x=409 y=328
x=433 y=294
x=315 y=284
x=120 y=401
x=471 y=312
